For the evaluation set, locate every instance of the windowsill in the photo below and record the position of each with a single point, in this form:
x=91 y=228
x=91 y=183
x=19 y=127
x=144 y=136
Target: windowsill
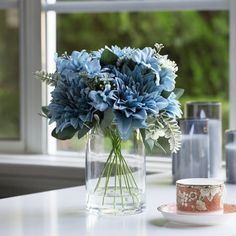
x=28 y=173
x=66 y=160
x=41 y=160
x=24 y=173
x=154 y=164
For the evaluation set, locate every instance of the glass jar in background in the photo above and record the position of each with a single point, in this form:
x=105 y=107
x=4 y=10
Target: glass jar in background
x=211 y=111
x=230 y=155
x=192 y=160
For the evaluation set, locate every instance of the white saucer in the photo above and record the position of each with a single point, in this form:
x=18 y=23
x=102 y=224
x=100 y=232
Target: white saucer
x=169 y=212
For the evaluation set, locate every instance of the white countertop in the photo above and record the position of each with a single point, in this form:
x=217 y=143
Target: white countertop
x=62 y=213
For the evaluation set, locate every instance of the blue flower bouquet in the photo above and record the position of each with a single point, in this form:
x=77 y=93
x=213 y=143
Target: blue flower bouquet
x=117 y=92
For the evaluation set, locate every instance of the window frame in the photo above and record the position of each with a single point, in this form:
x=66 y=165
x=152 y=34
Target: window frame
x=135 y=5
x=32 y=126
x=161 y=5
x=34 y=44
x=8 y=4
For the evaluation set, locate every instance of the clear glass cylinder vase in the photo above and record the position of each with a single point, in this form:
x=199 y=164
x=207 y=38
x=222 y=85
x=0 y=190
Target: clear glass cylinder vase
x=230 y=156
x=192 y=159
x=212 y=112
x=115 y=173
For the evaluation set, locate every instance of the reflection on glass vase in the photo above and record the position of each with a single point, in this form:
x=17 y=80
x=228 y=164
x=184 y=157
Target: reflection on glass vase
x=115 y=173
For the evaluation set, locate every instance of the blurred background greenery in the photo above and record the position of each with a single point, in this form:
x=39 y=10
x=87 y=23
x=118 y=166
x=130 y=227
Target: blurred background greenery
x=9 y=75
x=197 y=41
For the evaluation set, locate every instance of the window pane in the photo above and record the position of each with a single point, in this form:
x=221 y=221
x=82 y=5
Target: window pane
x=9 y=75
x=197 y=41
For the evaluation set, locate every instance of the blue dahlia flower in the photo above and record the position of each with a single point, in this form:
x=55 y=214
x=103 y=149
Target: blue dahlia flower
x=78 y=62
x=135 y=98
x=122 y=52
x=167 y=79
x=173 y=108
x=100 y=99
x=146 y=57
x=97 y=54
x=70 y=105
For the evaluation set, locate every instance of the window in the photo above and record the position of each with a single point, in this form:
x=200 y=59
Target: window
x=189 y=37
x=39 y=33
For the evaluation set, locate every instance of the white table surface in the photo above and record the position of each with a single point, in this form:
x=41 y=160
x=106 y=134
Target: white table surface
x=62 y=213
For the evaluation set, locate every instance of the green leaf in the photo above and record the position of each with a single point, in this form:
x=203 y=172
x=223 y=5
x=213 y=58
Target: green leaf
x=172 y=132
x=143 y=134
x=45 y=110
x=48 y=78
x=158 y=145
x=107 y=119
x=165 y=94
x=146 y=144
x=150 y=143
x=131 y=64
x=67 y=133
x=83 y=131
x=178 y=92
x=108 y=57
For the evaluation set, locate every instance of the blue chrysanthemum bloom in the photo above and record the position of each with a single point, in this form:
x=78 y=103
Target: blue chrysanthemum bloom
x=136 y=97
x=100 y=99
x=167 y=79
x=173 y=108
x=146 y=57
x=74 y=62
x=80 y=59
x=97 y=54
x=78 y=62
x=122 y=52
x=70 y=105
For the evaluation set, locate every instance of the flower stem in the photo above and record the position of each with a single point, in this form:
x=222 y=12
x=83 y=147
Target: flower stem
x=114 y=202
x=104 y=169
x=117 y=167
x=110 y=167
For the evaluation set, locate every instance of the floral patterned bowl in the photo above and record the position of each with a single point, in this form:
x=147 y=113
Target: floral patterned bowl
x=200 y=195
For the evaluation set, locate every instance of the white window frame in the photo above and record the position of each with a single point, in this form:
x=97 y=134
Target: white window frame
x=32 y=93
x=34 y=37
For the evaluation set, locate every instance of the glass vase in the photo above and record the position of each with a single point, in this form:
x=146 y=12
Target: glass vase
x=192 y=159
x=115 y=173
x=230 y=156
x=212 y=112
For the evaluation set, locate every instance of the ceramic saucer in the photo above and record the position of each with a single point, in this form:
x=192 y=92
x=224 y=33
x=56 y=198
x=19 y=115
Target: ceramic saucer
x=169 y=212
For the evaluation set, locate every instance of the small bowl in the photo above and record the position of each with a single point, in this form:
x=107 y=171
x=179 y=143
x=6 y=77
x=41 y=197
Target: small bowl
x=200 y=195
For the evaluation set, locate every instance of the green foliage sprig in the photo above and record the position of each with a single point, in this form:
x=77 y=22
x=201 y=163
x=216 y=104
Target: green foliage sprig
x=162 y=125
x=48 y=78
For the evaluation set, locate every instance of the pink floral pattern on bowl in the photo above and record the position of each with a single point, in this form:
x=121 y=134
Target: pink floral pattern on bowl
x=199 y=195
